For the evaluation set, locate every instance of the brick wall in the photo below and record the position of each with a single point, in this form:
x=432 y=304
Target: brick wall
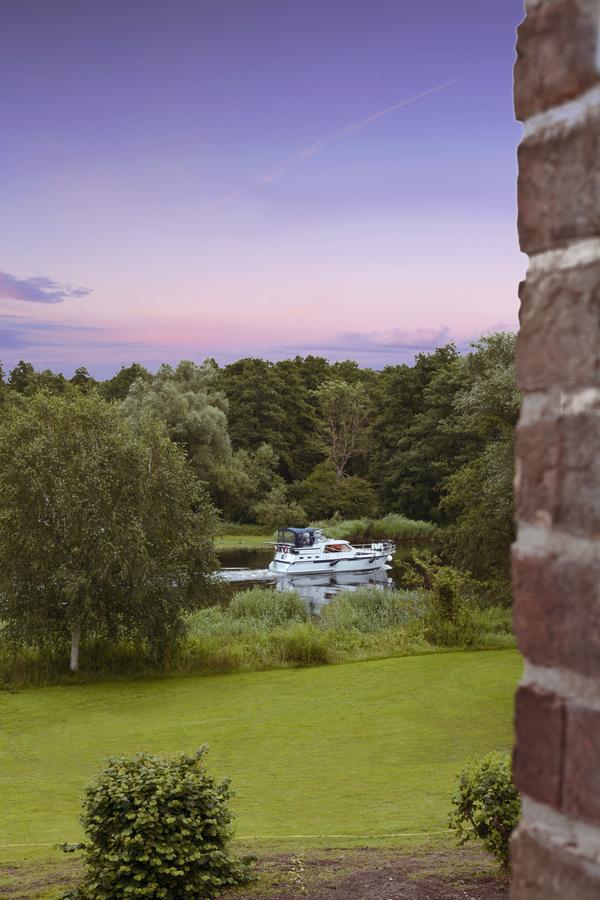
x=556 y=559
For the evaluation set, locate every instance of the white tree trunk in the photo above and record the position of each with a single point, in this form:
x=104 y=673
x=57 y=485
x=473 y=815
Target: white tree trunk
x=75 y=638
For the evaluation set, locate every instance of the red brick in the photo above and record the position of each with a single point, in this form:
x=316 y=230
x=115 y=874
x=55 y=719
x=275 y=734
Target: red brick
x=559 y=340
x=537 y=762
x=559 y=186
x=538 y=451
x=581 y=797
x=556 y=609
x=556 y=55
x=559 y=473
x=545 y=871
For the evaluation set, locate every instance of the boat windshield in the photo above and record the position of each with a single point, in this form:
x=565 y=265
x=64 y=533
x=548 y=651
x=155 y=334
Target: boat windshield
x=298 y=537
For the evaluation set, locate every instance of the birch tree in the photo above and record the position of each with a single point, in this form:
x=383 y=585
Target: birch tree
x=103 y=531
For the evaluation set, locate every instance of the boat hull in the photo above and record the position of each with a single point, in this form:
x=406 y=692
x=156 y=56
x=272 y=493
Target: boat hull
x=368 y=563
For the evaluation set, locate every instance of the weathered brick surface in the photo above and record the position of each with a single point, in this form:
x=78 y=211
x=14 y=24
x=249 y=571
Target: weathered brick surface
x=559 y=473
x=559 y=186
x=556 y=609
x=581 y=797
x=557 y=55
x=543 y=871
x=538 y=762
x=559 y=341
x=556 y=564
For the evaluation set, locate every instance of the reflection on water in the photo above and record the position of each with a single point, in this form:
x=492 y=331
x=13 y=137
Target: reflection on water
x=244 y=569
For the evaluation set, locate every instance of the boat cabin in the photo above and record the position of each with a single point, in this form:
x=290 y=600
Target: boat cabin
x=298 y=537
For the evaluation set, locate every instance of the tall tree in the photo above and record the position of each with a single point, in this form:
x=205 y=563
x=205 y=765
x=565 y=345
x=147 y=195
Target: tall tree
x=103 y=531
x=188 y=401
x=479 y=495
x=82 y=379
x=413 y=449
x=345 y=410
x=117 y=387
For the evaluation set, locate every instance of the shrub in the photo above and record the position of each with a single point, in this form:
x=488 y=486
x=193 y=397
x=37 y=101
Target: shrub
x=157 y=828
x=267 y=608
x=486 y=805
x=277 y=509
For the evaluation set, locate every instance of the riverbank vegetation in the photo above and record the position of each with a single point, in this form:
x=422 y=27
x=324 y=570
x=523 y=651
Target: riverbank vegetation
x=265 y=629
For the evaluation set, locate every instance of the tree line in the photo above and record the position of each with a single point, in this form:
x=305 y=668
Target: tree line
x=263 y=442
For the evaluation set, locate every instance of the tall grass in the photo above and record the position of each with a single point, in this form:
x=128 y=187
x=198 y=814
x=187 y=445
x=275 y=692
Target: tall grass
x=267 y=629
x=393 y=526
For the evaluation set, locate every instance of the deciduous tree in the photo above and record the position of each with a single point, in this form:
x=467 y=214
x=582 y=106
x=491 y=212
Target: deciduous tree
x=103 y=531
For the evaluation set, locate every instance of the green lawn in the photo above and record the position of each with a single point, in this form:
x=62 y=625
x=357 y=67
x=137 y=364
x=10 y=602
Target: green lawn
x=243 y=541
x=323 y=756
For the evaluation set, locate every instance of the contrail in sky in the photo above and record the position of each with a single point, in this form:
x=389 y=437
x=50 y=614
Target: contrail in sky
x=319 y=146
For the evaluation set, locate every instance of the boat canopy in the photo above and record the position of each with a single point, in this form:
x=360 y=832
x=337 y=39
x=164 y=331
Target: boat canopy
x=299 y=537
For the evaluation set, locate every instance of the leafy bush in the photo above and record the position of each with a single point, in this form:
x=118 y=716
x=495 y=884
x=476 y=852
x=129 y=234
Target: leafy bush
x=157 y=828
x=323 y=494
x=486 y=805
x=277 y=509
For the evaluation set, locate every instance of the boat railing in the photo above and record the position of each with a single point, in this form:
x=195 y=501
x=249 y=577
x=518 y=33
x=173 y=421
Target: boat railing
x=385 y=545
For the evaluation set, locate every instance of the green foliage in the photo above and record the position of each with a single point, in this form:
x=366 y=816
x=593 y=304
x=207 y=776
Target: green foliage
x=22 y=377
x=157 y=828
x=345 y=411
x=478 y=498
x=187 y=400
x=117 y=387
x=270 y=403
x=24 y=380
x=244 y=480
x=277 y=509
x=413 y=450
x=82 y=380
x=486 y=805
x=461 y=612
x=268 y=629
x=392 y=526
x=324 y=495
x=103 y=532
x=267 y=608
x=370 y=610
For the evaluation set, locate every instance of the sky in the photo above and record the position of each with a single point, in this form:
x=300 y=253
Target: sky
x=228 y=178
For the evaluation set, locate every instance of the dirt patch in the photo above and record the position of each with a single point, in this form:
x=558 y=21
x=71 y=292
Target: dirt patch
x=378 y=875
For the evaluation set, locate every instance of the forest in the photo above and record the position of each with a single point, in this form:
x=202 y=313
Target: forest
x=304 y=440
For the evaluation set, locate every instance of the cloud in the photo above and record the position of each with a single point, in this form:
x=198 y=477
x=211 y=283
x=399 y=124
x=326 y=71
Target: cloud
x=38 y=289
x=17 y=333
x=385 y=342
x=318 y=146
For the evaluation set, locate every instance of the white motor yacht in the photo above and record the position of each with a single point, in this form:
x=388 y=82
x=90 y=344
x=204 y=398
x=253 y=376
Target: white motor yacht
x=306 y=551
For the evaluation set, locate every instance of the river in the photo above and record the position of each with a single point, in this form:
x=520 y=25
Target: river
x=247 y=568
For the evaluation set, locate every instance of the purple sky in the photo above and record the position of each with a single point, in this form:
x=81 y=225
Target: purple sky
x=192 y=178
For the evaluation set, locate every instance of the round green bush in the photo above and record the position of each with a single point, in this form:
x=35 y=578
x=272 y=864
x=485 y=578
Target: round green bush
x=157 y=828
x=486 y=805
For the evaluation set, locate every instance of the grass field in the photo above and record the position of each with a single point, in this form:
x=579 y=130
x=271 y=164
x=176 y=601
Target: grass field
x=243 y=541
x=327 y=756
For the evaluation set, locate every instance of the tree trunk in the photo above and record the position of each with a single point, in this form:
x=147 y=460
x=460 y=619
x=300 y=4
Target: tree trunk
x=75 y=638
